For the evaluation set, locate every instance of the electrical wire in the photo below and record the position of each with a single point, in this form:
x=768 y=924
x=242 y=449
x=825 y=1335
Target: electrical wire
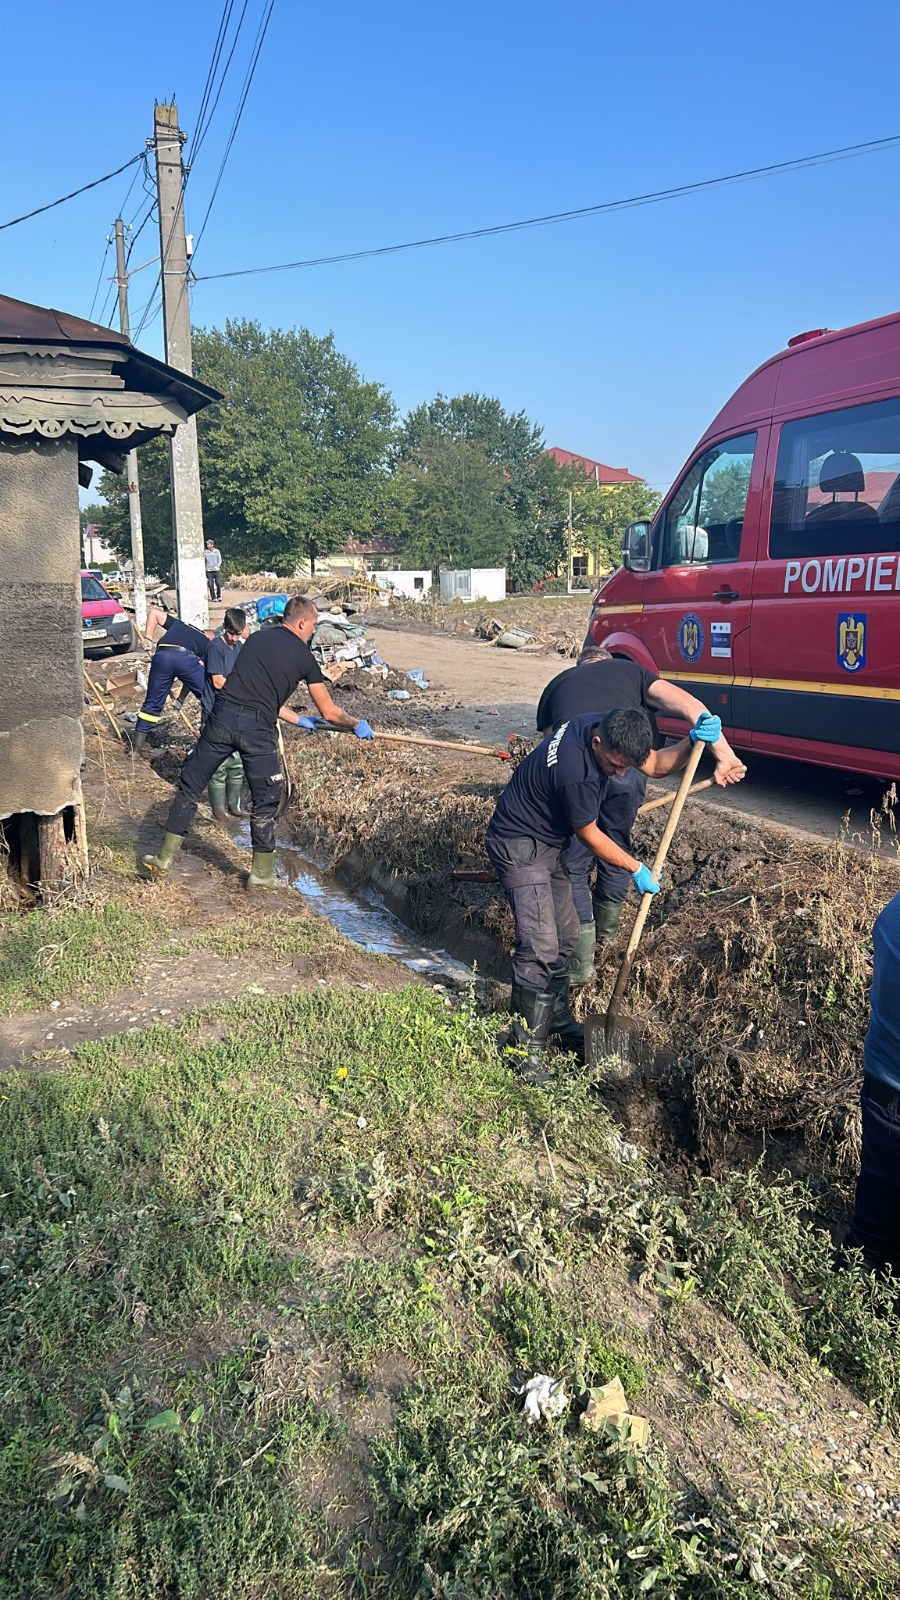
x=39 y=210
x=90 y=315
x=201 y=133
x=217 y=51
x=655 y=197
x=248 y=80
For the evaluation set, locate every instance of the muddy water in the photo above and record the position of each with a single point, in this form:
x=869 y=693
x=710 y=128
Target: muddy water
x=361 y=915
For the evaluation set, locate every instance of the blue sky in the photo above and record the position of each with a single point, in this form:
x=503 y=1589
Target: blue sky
x=369 y=125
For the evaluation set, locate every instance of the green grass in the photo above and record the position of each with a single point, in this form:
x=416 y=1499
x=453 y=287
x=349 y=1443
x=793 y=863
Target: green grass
x=261 y=1301
x=83 y=953
x=279 y=935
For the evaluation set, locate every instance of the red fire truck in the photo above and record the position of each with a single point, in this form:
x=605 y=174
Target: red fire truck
x=768 y=583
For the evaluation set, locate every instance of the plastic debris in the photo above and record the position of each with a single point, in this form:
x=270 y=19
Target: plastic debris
x=417 y=676
x=398 y=694
x=543 y=1397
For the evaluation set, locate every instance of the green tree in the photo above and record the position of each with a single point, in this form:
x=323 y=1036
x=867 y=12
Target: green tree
x=527 y=495
x=293 y=459
x=601 y=515
x=156 y=510
x=457 y=509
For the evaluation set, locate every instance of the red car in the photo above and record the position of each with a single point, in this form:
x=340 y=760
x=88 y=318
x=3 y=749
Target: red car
x=768 y=583
x=104 y=625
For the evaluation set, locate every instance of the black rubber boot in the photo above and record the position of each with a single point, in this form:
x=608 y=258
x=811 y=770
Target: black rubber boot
x=607 y=916
x=527 y=1040
x=217 y=795
x=139 y=735
x=165 y=855
x=564 y=1028
x=262 y=872
x=581 y=963
x=234 y=789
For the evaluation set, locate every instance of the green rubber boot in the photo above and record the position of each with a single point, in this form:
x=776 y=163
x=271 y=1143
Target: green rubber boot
x=607 y=916
x=234 y=786
x=581 y=962
x=526 y=1042
x=217 y=791
x=262 y=872
x=165 y=855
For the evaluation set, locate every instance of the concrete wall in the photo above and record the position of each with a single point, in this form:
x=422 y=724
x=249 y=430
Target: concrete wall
x=41 y=698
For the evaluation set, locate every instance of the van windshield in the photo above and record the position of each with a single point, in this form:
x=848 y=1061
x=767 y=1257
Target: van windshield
x=837 y=483
x=92 y=590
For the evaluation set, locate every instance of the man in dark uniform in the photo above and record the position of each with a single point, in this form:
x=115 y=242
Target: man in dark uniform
x=555 y=794
x=227 y=782
x=180 y=653
x=268 y=670
x=601 y=682
x=875 y=1229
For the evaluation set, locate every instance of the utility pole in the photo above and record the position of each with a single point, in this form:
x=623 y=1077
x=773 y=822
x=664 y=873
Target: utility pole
x=187 y=507
x=131 y=460
x=569 y=557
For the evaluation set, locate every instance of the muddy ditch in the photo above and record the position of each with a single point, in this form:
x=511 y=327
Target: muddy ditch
x=750 y=985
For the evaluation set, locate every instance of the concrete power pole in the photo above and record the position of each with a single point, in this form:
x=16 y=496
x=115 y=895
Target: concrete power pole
x=187 y=507
x=131 y=461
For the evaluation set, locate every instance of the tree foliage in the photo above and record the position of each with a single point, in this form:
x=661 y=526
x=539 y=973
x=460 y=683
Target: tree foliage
x=293 y=458
x=601 y=515
x=510 y=505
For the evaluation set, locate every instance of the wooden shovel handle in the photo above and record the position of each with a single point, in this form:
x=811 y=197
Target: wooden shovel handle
x=624 y=973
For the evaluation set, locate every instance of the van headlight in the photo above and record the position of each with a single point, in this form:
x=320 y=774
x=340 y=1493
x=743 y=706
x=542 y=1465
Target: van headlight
x=120 y=616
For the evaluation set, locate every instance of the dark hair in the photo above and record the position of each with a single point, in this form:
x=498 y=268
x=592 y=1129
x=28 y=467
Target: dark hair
x=235 y=619
x=300 y=606
x=592 y=652
x=627 y=733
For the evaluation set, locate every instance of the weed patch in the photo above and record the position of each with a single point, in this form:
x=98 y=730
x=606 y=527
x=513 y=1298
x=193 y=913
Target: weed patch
x=81 y=953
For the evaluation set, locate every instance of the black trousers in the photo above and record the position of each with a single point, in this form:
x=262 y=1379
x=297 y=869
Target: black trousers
x=233 y=728
x=167 y=665
x=214 y=585
x=875 y=1229
x=537 y=886
x=619 y=807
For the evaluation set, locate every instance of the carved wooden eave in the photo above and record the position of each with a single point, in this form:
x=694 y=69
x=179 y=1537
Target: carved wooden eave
x=49 y=393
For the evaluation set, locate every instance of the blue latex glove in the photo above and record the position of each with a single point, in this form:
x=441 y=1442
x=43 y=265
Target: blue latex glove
x=644 y=881
x=363 y=731
x=707 y=729
x=307 y=723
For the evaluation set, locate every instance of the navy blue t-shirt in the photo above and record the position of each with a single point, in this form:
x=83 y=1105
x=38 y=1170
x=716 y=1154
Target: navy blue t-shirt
x=178 y=632
x=557 y=788
x=220 y=658
x=882 y=1052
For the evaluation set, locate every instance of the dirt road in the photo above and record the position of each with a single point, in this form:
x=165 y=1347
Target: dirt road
x=471 y=680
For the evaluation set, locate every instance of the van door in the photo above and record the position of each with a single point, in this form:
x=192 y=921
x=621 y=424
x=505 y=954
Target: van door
x=696 y=601
x=825 y=631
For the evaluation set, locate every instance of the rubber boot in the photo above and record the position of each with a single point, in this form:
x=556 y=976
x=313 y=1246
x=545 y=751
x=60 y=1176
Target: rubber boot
x=165 y=855
x=217 y=795
x=139 y=735
x=564 y=1028
x=262 y=872
x=527 y=1039
x=234 y=788
x=581 y=962
x=607 y=916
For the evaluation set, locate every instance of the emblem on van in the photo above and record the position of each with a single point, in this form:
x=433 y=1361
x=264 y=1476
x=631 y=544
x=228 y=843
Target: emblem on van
x=851 y=640
x=690 y=637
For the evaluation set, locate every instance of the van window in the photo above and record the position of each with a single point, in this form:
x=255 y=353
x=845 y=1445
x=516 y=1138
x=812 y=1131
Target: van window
x=837 y=483
x=705 y=518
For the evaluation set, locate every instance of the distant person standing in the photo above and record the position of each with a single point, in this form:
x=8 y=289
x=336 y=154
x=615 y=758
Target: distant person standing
x=213 y=570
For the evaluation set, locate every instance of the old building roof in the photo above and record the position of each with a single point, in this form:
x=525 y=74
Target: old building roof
x=592 y=469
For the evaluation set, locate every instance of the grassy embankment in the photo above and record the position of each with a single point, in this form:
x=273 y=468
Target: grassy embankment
x=264 y=1284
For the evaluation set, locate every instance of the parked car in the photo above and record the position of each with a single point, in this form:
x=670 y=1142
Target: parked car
x=104 y=625
x=768 y=583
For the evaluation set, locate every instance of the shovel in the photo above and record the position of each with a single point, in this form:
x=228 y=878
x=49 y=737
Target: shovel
x=615 y=1005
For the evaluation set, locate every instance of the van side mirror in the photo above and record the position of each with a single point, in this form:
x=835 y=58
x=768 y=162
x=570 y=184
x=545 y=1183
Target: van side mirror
x=636 y=547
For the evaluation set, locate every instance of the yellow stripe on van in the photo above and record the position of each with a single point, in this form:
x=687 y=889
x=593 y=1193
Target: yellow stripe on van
x=616 y=611
x=859 y=691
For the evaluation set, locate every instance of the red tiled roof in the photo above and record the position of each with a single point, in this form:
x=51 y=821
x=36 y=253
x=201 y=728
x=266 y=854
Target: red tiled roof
x=592 y=469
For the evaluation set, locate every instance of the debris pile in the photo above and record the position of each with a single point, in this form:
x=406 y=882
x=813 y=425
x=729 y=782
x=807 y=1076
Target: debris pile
x=347 y=589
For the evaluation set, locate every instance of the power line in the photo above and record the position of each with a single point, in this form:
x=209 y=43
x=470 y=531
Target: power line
x=90 y=315
x=846 y=152
x=248 y=80
x=201 y=133
x=38 y=211
x=217 y=51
